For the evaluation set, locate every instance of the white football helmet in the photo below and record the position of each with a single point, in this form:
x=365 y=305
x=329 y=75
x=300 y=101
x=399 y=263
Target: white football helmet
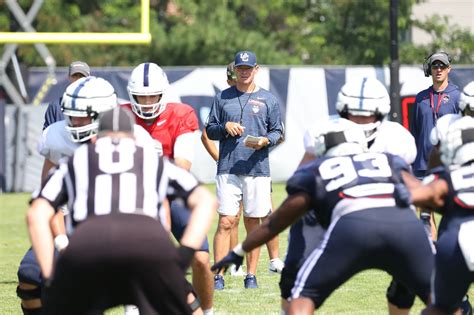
x=457 y=148
x=440 y=130
x=466 y=100
x=339 y=137
x=87 y=97
x=364 y=97
x=147 y=79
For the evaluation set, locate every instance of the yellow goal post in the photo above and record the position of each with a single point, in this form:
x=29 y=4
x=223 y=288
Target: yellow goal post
x=138 y=38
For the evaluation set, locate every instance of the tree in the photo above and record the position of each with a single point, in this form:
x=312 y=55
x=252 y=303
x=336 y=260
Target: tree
x=210 y=32
x=458 y=42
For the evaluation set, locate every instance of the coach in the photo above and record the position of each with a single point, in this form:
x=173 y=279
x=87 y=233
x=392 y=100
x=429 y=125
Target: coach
x=119 y=252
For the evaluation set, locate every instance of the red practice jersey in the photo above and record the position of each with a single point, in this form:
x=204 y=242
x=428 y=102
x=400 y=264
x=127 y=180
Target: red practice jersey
x=177 y=119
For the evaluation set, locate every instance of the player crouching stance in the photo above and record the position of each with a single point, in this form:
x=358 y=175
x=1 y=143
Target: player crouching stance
x=358 y=198
x=119 y=252
x=454 y=261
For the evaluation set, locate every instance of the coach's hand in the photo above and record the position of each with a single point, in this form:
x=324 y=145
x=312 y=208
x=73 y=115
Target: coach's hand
x=234 y=129
x=185 y=256
x=235 y=257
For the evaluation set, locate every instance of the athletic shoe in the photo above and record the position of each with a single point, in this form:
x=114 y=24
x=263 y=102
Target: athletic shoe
x=466 y=307
x=250 y=282
x=218 y=282
x=276 y=265
x=236 y=272
x=131 y=310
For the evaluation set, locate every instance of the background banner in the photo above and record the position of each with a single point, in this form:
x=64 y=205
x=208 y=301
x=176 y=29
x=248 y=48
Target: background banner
x=306 y=95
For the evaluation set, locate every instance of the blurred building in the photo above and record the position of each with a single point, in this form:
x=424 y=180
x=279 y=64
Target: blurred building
x=460 y=12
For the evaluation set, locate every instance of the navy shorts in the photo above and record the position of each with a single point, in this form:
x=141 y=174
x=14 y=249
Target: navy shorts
x=29 y=270
x=390 y=239
x=179 y=220
x=452 y=277
x=133 y=262
x=304 y=236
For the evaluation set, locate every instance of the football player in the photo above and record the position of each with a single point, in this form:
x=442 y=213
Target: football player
x=174 y=125
x=366 y=102
x=454 y=261
x=82 y=103
x=358 y=198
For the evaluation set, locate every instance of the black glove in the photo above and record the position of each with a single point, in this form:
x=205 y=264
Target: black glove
x=231 y=258
x=185 y=256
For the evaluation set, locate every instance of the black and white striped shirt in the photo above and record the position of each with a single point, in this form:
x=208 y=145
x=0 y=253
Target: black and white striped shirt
x=108 y=178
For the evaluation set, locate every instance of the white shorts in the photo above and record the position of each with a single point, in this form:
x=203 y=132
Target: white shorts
x=254 y=192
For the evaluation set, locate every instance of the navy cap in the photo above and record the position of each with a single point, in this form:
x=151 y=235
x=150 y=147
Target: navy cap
x=245 y=58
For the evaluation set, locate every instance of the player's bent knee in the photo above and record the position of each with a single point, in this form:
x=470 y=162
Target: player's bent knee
x=400 y=296
x=29 y=272
x=201 y=260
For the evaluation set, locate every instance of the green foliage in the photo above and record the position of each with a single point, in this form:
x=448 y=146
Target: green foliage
x=210 y=32
x=458 y=42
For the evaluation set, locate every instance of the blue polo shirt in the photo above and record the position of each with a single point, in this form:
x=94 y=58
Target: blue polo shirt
x=53 y=114
x=259 y=113
x=429 y=106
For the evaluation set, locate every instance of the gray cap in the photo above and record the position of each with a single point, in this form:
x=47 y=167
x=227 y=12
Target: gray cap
x=117 y=119
x=79 y=67
x=439 y=56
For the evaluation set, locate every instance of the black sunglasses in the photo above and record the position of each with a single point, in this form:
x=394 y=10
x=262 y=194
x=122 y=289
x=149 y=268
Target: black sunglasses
x=439 y=66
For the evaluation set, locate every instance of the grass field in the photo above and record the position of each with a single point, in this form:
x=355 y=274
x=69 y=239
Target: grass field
x=363 y=294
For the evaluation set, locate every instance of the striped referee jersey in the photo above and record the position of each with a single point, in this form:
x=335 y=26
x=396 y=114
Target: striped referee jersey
x=115 y=177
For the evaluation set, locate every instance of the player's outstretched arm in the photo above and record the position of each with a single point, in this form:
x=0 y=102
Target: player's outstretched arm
x=292 y=208
x=47 y=166
x=429 y=196
x=38 y=220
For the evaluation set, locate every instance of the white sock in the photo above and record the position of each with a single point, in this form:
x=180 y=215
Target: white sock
x=209 y=311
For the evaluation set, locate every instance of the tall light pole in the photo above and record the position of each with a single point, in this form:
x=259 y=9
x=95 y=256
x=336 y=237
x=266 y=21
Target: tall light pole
x=395 y=113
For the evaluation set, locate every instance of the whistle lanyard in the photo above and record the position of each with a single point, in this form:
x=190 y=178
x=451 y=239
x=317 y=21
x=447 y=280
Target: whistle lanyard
x=435 y=110
x=243 y=107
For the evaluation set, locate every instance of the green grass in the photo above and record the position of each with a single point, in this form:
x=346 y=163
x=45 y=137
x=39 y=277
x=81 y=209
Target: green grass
x=363 y=294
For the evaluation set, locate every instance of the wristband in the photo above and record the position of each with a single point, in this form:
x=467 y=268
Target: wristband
x=239 y=250
x=61 y=242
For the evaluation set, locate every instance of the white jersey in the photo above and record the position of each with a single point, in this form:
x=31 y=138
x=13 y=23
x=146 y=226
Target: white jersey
x=391 y=138
x=56 y=143
x=440 y=130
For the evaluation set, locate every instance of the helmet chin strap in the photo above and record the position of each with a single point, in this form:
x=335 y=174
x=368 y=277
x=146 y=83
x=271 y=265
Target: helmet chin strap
x=370 y=130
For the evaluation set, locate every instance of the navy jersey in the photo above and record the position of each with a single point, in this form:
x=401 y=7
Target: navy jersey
x=340 y=185
x=53 y=114
x=428 y=108
x=459 y=201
